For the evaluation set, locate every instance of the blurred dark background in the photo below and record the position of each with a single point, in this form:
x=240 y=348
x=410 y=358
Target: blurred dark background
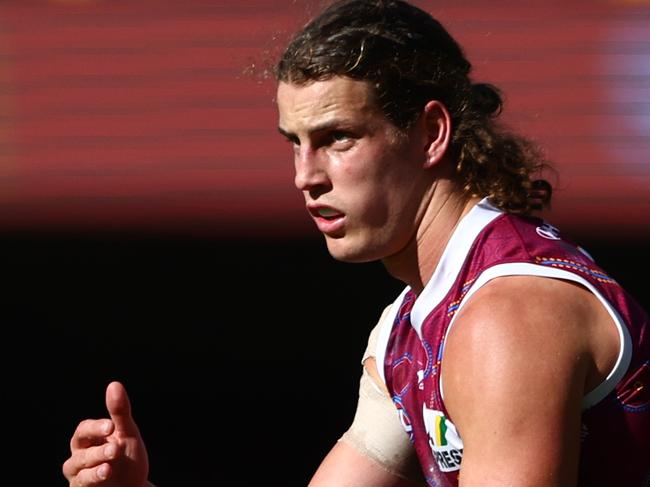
x=150 y=233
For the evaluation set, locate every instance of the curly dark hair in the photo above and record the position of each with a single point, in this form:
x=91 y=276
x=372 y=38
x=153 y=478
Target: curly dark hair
x=409 y=58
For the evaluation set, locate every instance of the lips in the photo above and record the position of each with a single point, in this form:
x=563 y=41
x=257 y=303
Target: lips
x=329 y=220
x=328 y=213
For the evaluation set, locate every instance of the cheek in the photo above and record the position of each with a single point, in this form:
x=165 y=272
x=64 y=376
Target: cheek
x=379 y=206
x=379 y=183
x=376 y=191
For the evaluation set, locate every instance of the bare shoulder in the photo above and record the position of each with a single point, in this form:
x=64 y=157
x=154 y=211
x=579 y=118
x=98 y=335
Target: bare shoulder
x=518 y=326
x=537 y=314
x=529 y=325
x=521 y=354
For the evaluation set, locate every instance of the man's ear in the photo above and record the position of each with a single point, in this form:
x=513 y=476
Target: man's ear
x=438 y=128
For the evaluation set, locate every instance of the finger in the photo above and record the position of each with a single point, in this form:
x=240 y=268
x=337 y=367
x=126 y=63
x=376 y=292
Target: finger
x=90 y=458
x=92 y=477
x=91 y=432
x=119 y=407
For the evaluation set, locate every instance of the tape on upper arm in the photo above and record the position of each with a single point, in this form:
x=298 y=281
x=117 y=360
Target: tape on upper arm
x=376 y=431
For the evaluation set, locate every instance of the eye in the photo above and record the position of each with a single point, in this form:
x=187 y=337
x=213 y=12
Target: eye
x=293 y=140
x=340 y=140
x=340 y=136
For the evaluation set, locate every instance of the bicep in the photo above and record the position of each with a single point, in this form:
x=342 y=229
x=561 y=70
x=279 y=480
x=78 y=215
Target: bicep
x=513 y=377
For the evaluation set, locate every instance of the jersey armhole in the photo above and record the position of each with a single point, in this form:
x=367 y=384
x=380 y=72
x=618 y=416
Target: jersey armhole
x=525 y=269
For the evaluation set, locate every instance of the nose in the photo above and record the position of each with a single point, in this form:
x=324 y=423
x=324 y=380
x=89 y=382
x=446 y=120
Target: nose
x=310 y=169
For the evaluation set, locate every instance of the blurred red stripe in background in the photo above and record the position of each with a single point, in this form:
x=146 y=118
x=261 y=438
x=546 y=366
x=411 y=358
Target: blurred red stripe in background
x=145 y=116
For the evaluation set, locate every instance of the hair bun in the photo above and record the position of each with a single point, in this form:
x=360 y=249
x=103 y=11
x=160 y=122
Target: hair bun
x=486 y=99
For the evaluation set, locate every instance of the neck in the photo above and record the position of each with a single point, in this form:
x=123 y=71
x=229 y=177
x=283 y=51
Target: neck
x=416 y=263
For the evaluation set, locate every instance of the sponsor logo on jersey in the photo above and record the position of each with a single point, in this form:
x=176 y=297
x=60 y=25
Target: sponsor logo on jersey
x=445 y=444
x=548 y=231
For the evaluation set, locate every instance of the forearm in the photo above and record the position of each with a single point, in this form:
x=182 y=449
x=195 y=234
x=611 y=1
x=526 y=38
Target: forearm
x=346 y=467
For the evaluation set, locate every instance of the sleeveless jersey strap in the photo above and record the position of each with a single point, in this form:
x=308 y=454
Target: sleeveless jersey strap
x=527 y=269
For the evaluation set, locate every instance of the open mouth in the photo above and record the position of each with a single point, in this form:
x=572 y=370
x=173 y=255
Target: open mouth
x=329 y=214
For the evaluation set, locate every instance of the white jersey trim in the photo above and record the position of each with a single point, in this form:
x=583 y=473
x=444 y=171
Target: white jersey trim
x=385 y=328
x=443 y=277
x=452 y=261
x=526 y=269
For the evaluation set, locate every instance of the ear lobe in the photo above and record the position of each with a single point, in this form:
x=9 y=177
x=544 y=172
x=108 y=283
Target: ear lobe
x=438 y=129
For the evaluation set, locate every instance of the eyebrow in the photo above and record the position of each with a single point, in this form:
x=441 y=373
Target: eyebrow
x=331 y=124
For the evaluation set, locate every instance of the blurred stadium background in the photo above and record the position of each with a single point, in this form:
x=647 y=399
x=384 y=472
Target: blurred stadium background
x=150 y=231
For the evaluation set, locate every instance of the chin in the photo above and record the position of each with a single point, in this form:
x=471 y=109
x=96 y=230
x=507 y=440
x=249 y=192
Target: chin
x=347 y=251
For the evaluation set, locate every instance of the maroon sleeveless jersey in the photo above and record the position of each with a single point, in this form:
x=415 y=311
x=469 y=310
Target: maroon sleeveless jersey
x=615 y=436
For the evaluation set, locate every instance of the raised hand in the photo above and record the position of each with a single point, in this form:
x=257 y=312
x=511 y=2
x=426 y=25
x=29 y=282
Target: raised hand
x=108 y=452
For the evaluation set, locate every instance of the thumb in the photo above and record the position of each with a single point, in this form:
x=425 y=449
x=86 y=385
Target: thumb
x=119 y=408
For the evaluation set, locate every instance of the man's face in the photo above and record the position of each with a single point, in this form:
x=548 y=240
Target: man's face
x=363 y=183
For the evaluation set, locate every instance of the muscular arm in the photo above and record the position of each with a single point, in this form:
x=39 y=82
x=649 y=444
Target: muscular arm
x=375 y=451
x=520 y=357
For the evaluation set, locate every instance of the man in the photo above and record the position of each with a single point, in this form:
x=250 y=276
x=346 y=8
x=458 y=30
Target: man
x=510 y=358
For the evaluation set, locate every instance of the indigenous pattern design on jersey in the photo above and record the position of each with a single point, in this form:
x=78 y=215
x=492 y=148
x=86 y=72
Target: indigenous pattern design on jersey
x=615 y=436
